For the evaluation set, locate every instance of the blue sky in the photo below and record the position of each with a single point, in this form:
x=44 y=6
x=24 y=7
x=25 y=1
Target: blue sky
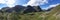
x=44 y=4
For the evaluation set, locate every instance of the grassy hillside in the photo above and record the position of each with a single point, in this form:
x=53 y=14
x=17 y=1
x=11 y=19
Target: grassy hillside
x=54 y=14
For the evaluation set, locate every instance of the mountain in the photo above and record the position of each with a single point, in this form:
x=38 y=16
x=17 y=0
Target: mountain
x=29 y=9
x=37 y=8
x=32 y=9
x=55 y=12
x=50 y=9
x=18 y=8
x=23 y=9
x=4 y=9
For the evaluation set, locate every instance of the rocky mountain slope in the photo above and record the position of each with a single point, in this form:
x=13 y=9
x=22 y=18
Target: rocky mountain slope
x=19 y=8
x=35 y=14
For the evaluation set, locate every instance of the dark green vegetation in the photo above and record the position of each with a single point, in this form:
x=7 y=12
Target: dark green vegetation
x=54 y=14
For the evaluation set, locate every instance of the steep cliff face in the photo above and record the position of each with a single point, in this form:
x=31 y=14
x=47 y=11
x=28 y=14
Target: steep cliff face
x=32 y=9
x=29 y=9
x=19 y=8
x=37 y=8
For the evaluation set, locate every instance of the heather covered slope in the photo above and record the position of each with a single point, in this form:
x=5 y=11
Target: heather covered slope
x=54 y=14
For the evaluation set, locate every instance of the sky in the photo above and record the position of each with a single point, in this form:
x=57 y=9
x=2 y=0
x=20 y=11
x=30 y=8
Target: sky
x=44 y=4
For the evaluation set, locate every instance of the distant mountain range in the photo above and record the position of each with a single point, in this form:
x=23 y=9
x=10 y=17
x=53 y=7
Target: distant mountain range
x=19 y=8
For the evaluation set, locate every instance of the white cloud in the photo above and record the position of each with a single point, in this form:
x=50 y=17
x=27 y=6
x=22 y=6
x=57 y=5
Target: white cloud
x=50 y=6
x=9 y=3
x=2 y=1
x=36 y=2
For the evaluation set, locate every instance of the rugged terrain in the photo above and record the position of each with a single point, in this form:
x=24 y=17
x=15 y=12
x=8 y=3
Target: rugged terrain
x=53 y=14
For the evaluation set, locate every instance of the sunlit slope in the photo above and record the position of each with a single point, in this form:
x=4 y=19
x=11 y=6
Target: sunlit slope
x=53 y=14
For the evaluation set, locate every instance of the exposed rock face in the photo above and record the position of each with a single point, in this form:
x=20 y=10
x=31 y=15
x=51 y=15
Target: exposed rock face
x=19 y=8
x=37 y=8
x=32 y=9
x=29 y=9
x=9 y=10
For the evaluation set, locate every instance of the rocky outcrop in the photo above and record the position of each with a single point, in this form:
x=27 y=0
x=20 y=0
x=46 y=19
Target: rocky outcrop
x=37 y=8
x=29 y=9
x=32 y=9
x=19 y=8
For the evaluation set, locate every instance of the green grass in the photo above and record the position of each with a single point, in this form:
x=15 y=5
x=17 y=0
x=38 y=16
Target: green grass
x=54 y=14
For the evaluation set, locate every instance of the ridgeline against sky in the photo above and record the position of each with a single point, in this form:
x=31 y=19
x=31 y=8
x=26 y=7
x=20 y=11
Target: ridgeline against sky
x=44 y=4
